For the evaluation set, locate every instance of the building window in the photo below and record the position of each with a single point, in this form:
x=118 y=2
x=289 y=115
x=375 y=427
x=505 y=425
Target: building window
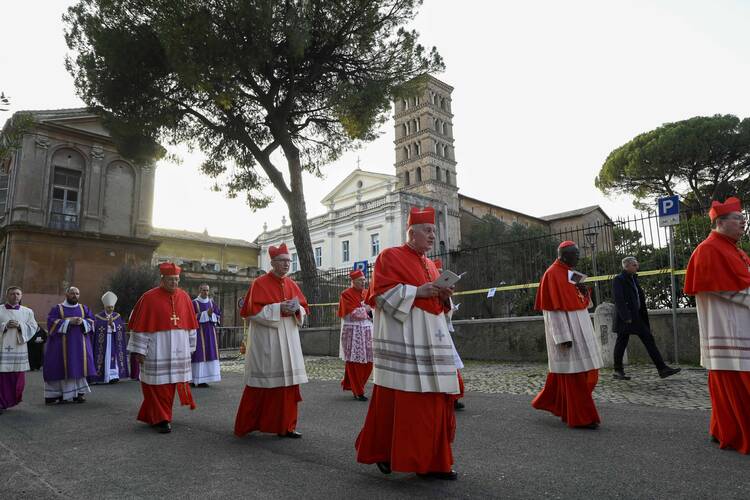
x=437 y=174
x=447 y=177
x=419 y=174
x=233 y=268
x=345 y=249
x=374 y=244
x=319 y=256
x=65 y=199
x=3 y=192
x=406 y=179
x=295 y=263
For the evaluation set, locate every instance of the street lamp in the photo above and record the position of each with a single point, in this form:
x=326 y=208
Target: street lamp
x=591 y=235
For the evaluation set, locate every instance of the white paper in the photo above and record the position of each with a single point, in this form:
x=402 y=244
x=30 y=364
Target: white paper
x=575 y=277
x=491 y=293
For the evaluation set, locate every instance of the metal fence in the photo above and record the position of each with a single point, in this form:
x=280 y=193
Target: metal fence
x=509 y=263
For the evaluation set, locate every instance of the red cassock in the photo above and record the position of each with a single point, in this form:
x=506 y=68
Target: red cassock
x=566 y=395
x=153 y=313
x=272 y=410
x=413 y=431
x=718 y=265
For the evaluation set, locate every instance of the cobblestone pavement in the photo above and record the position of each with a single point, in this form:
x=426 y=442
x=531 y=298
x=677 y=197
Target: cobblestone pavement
x=688 y=390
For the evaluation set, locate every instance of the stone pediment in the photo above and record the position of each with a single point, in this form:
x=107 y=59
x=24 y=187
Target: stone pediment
x=77 y=119
x=359 y=186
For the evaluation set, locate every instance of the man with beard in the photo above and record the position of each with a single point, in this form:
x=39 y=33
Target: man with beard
x=69 y=357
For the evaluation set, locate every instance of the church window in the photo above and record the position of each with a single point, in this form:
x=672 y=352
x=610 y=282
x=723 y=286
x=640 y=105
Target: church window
x=437 y=174
x=65 y=199
x=406 y=104
x=445 y=128
x=416 y=125
x=406 y=153
x=345 y=251
x=406 y=179
x=374 y=244
x=295 y=263
x=3 y=192
x=419 y=174
x=319 y=256
x=406 y=129
x=447 y=177
x=418 y=148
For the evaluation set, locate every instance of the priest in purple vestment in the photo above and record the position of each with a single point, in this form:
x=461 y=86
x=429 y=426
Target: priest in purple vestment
x=109 y=343
x=69 y=358
x=205 y=361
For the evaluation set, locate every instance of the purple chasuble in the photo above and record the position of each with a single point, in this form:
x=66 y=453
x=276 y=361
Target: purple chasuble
x=69 y=355
x=207 y=346
x=118 y=354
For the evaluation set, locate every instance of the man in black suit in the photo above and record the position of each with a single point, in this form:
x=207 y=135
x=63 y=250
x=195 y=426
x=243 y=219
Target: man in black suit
x=631 y=318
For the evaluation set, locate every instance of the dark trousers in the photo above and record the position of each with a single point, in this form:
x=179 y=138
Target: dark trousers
x=648 y=342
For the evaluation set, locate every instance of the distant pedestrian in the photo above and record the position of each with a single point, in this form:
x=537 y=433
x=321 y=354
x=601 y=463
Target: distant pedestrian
x=631 y=318
x=718 y=275
x=36 y=348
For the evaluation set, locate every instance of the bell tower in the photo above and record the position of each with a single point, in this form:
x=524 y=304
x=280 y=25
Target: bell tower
x=425 y=156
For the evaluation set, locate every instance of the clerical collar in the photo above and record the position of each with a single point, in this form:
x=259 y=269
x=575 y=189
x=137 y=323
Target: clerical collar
x=8 y=306
x=68 y=304
x=202 y=300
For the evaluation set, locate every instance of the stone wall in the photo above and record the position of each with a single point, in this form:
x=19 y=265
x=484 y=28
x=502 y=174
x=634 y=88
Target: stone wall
x=522 y=339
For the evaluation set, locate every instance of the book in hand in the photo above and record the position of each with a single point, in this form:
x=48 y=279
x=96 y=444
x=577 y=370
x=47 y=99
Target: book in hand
x=576 y=278
x=447 y=279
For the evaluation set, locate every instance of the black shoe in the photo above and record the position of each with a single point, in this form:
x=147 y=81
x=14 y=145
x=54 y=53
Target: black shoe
x=713 y=439
x=79 y=399
x=192 y=384
x=458 y=405
x=203 y=385
x=51 y=401
x=620 y=375
x=384 y=467
x=668 y=371
x=361 y=397
x=163 y=427
x=114 y=380
x=291 y=434
x=448 y=476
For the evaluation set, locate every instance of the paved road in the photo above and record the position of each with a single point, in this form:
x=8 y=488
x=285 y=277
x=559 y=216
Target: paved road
x=503 y=449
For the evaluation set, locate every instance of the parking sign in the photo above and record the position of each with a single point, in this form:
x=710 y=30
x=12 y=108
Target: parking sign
x=361 y=266
x=669 y=210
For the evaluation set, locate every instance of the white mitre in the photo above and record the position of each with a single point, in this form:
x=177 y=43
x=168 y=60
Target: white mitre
x=109 y=299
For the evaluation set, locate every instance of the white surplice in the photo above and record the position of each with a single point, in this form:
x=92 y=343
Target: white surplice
x=274 y=352
x=412 y=348
x=167 y=355
x=14 y=354
x=724 y=327
x=564 y=326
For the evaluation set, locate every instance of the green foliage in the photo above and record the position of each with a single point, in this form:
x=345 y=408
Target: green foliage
x=129 y=283
x=12 y=134
x=701 y=159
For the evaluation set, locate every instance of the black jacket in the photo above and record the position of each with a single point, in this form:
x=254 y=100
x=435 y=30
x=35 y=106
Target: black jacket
x=630 y=306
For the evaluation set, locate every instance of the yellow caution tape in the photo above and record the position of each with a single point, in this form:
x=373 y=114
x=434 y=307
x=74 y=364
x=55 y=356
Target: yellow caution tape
x=507 y=288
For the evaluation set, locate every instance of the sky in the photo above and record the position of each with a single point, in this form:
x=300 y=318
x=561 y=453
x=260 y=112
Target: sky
x=544 y=91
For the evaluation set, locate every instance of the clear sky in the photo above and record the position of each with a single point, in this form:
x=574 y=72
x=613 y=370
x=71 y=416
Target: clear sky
x=544 y=90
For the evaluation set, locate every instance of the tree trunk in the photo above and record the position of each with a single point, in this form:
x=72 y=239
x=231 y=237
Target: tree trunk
x=301 y=232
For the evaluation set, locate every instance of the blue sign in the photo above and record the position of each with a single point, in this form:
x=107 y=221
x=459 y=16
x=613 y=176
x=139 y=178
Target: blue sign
x=360 y=266
x=669 y=210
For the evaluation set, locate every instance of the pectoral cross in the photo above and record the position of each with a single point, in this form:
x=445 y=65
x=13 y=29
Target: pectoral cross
x=440 y=335
x=175 y=318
